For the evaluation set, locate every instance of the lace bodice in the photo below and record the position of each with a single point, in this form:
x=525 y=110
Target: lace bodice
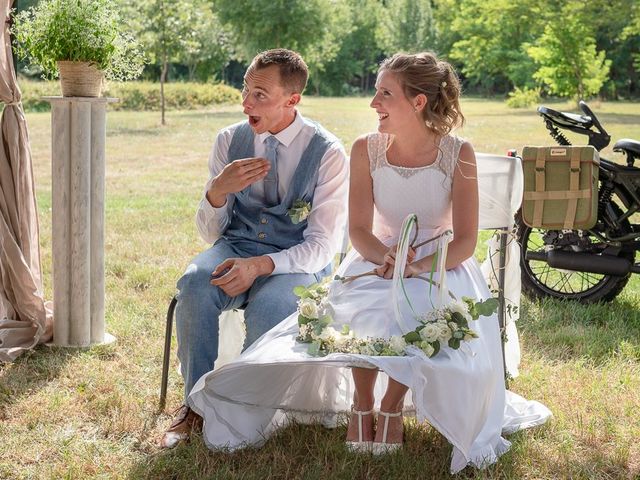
x=399 y=191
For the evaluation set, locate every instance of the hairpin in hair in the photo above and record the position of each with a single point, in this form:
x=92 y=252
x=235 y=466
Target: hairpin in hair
x=443 y=84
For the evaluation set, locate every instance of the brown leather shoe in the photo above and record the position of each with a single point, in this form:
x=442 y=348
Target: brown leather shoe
x=185 y=422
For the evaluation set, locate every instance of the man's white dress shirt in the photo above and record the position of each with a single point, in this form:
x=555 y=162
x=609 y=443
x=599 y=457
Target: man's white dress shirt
x=326 y=222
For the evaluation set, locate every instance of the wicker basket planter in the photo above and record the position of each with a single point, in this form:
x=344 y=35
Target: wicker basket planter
x=80 y=79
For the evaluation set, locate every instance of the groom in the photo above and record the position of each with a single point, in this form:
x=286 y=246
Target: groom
x=261 y=250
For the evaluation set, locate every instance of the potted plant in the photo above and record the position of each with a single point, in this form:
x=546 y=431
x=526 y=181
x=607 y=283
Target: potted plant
x=81 y=40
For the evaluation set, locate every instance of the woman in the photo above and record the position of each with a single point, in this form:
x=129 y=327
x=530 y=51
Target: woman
x=412 y=165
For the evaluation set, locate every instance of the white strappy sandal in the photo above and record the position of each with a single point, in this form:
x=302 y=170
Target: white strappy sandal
x=381 y=448
x=360 y=445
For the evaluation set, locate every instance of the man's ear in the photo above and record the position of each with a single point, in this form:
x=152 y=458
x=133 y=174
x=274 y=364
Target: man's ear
x=294 y=99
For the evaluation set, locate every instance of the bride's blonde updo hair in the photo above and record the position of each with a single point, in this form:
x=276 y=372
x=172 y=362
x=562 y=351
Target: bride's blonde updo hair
x=424 y=73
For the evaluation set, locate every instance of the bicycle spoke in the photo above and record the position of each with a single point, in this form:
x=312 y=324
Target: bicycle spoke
x=558 y=281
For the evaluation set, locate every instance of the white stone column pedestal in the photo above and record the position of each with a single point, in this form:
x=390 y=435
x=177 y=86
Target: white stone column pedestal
x=78 y=132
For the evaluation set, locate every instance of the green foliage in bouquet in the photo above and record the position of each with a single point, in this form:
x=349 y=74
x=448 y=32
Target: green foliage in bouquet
x=77 y=30
x=448 y=325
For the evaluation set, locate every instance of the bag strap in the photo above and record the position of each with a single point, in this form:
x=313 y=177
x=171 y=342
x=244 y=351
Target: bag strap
x=540 y=181
x=574 y=186
x=557 y=195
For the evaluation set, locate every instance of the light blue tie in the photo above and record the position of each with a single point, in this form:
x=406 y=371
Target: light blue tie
x=271 y=180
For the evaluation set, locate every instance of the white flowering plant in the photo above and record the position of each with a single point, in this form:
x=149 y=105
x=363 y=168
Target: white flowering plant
x=442 y=326
x=299 y=211
x=77 y=30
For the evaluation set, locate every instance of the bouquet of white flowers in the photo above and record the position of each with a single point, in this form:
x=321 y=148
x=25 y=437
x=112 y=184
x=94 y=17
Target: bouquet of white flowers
x=446 y=325
x=442 y=326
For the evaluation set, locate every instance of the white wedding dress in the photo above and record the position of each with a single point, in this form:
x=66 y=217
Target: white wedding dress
x=459 y=392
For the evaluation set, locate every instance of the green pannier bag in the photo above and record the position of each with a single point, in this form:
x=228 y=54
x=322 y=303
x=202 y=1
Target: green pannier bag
x=560 y=187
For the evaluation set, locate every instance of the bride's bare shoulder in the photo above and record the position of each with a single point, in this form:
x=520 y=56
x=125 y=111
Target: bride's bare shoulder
x=359 y=149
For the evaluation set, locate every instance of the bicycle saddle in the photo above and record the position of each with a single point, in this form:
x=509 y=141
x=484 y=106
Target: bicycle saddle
x=627 y=144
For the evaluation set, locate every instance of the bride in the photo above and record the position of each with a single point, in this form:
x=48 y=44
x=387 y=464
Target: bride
x=412 y=165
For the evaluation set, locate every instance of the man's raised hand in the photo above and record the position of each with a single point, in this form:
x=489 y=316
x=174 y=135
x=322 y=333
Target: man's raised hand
x=236 y=176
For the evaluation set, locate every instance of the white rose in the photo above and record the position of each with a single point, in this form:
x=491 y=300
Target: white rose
x=453 y=326
x=427 y=348
x=458 y=306
x=341 y=341
x=444 y=333
x=468 y=338
x=430 y=332
x=397 y=344
x=308 y=308
x=328 y=334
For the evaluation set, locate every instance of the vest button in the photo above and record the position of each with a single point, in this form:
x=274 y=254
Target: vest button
x=263 y=220
x=262 y=235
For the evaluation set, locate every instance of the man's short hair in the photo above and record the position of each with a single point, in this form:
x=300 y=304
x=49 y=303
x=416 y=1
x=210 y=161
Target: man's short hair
x=293 y=71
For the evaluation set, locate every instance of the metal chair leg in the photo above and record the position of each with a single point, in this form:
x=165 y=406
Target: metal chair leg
x=167 y=353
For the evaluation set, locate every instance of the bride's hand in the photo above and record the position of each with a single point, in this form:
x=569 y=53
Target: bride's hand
x=390 y=256
x=385 y=270
x=411 y=270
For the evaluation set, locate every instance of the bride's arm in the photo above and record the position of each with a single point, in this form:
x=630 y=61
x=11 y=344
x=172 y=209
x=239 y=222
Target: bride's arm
x=361 y=206
x=464 y=197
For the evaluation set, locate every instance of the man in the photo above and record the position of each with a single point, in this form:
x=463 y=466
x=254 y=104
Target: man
x=261 y=250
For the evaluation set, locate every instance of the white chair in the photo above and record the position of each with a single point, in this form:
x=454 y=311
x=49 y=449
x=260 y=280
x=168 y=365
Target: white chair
x=500 y=184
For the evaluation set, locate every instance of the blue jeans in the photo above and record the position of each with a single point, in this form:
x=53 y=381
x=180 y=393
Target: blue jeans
x=269 y=301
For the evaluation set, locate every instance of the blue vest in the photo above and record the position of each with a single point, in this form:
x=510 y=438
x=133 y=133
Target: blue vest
x=258 y=229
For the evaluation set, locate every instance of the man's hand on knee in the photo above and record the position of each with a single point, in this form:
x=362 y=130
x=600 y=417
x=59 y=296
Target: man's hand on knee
x=240 y=273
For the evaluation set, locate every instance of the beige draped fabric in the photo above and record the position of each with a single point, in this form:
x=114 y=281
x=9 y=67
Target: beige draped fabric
x=25 y=319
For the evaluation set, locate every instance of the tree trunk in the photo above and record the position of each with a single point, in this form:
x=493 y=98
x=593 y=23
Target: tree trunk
x=163 y=79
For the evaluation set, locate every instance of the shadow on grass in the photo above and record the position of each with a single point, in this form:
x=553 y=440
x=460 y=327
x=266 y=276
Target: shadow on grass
x=32 y=371
x=563 y=330
x=313 y=452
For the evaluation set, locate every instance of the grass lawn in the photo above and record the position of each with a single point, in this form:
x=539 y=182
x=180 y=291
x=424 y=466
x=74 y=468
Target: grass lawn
x=92 y=413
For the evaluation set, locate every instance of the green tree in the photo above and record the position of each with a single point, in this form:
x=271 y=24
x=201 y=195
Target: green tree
x=185 y=32
x=569 y=64
x=359 y=53
x=491 y=40
x=205 y=45
x=311 y=27
x=630 y=35
x=409 y=26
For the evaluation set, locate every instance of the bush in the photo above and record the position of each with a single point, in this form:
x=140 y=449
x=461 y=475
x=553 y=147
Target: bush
x=523 y=98
x=139 y=95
